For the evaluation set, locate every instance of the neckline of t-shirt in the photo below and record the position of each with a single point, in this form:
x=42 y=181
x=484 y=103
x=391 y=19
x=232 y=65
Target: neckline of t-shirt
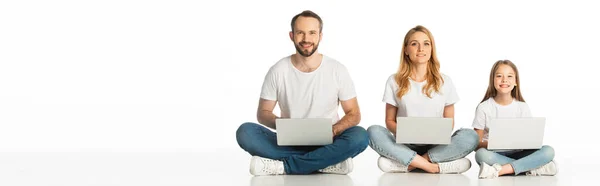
x=420 y=83
x=498 y=104
x=319 y=67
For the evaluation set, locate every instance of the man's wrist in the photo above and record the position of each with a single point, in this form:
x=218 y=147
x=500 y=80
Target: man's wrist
x=335 y=133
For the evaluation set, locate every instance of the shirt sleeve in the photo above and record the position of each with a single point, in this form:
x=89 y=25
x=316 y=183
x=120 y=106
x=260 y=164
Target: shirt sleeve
x=389 y=95
x=346 y=84
x=451 y=95
x=269 y=87
x=479 y=120
x=525 y=112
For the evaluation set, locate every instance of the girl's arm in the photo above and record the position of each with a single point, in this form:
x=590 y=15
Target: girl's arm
x=479 y=125
x=482 y=144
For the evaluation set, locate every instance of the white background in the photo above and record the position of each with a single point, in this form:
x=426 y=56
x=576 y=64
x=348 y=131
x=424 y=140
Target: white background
x=552 y=44
x=151 y=92
x=164 y=75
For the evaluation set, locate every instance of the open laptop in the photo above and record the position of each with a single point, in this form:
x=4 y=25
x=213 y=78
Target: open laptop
x=516 y=133
x=423 y=130
x=304 y=132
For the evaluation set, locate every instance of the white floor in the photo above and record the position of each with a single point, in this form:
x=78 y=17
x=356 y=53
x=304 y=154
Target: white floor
x=230 y=167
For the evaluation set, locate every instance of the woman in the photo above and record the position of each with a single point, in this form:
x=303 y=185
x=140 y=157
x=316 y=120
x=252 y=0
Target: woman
x=418 y=89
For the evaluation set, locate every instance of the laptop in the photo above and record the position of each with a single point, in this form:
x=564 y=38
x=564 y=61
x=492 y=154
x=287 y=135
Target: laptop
x=516 y=133
x=304 y=132
x=423 y=130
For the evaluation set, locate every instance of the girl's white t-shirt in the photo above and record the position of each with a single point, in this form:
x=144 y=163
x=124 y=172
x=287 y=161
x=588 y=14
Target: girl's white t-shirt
x=489 y=109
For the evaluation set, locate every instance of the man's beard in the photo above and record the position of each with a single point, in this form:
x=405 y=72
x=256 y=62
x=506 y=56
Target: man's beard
x=306 y=53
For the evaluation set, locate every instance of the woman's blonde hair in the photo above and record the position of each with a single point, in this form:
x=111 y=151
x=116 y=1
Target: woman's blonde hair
x=433 y=76
x=491 y=90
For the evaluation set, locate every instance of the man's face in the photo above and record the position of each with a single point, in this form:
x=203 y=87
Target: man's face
x=306 y=35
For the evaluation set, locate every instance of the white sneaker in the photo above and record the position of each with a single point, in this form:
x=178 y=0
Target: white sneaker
x=389 y=165
x=550 y=169
x=455 y=167
x=486 y=171
x=343 y=167
x=260 y=166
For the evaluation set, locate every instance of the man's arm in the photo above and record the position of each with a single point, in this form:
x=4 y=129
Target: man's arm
x=351 y=117
x=265 y=114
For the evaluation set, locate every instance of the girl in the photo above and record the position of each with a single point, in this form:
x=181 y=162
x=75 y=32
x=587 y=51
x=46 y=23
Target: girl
x=503 y=99
x=418 y=89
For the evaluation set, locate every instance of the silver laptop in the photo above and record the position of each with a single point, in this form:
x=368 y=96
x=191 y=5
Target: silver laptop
x=304 y=132
x=423 y=130
x=516 y=133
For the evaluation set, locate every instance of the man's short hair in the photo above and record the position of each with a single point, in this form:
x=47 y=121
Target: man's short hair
x=308 y=13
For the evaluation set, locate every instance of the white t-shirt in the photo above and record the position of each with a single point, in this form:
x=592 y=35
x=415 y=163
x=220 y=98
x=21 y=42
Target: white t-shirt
x=415 y=103
x=314 y=94
x=490 y=109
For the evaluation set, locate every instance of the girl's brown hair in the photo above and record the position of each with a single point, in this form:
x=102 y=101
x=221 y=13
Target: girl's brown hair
x=491 y=90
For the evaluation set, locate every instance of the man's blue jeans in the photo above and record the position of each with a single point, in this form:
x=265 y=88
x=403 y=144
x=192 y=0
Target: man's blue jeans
x=260 y=141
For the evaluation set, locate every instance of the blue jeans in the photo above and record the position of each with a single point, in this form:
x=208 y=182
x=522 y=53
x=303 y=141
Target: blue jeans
x=463 y=142
x=260 y=141
x=521 y=161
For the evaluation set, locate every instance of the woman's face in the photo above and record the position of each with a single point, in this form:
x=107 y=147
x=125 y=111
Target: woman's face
x=419 y=48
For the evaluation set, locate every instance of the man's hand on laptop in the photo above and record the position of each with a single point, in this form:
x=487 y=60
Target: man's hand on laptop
x=334 y=131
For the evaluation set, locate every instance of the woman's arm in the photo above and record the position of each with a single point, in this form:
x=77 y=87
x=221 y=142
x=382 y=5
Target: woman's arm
x=390 y=118
x=449 y=113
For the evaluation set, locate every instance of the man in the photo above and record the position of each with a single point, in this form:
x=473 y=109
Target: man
x=306 y=85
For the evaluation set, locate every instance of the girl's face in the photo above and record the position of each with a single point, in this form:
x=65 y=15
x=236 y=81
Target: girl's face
x=504 y=79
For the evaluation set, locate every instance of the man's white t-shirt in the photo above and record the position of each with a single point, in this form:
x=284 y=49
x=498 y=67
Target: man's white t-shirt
x=313 y=94
x=489 y=109
x=415 y=103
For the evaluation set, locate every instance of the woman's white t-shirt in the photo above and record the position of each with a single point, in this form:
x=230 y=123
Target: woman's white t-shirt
x=415 y=103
